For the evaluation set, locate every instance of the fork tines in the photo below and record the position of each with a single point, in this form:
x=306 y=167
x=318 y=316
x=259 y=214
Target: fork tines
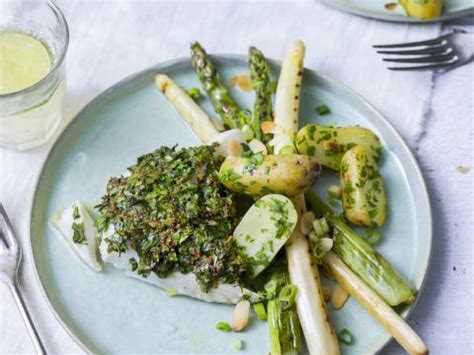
x=431 y=54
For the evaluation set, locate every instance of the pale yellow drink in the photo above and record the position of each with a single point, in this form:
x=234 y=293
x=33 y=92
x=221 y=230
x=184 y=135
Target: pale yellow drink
x=27 y=118
x=24 y=60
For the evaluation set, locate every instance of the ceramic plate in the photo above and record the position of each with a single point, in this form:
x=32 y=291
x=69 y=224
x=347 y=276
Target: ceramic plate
x=111 y=313
x=376 y=9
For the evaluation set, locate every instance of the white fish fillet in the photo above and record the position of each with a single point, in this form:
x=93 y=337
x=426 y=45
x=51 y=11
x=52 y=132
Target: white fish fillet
x=176 y=283
x=62 y=222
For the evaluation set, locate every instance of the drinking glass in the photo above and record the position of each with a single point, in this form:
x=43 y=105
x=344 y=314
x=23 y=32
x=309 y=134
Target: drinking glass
x=29 y=117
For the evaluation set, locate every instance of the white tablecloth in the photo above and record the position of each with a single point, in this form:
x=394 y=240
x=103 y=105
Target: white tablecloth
x=434 y=113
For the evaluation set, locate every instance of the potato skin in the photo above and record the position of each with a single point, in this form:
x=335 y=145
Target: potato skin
x=363 y=193
x=328 y=144
x=288 y=175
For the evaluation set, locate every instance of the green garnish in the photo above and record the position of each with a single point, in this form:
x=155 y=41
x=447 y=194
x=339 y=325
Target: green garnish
x=345 y=336
x=260 y=311
x=287 y=296
x=78 y=235
x=75 y=213
x=237 y=344
x=372 y=236
x=323 y=110
x=224 y=326
x=334 y=202
x=195 y=94
x=174 y=212
x=335 y=191
x=320 y=227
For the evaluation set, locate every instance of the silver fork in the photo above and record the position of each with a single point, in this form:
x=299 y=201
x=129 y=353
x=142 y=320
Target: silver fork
x=445 y=52
x=10 y=258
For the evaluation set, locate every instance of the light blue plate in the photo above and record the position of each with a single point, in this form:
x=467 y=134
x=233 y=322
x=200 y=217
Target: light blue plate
x=112 y=313
x=376 y=9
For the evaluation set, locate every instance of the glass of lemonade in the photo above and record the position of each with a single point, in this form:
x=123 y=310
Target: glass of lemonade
x=33 y=43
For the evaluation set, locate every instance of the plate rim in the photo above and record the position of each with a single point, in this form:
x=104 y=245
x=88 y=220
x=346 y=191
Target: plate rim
x=468 y=10
x=386 y=338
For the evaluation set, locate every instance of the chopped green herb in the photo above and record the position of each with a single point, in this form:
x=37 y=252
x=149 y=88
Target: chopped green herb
x=78 y=235
x=323 y=110
x=345 y=336
x=224 y=326
x=195 y=94
x=75 y=213
x=174 y=212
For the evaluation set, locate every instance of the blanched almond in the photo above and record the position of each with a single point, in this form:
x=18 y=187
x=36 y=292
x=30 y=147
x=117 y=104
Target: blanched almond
x=268 y=126
x=233 y=148
x=326 y=244
x=306 y=224
x=339 y=296
x=240 y=318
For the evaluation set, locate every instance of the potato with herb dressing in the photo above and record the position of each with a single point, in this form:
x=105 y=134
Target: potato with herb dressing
x=259 y=174
x=363 y=194
x=328 y=144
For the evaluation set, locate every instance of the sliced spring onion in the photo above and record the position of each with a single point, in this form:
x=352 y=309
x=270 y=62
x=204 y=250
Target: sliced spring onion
x=372 y=236
x=260 y=311
x=237 y=344
x=323 y=110
x=224 y=326
x=320 y=227
x=287 y=296
x=247 y=132
x=287 y=149
x=195 y=94
x=345 y=336
x=335 y=191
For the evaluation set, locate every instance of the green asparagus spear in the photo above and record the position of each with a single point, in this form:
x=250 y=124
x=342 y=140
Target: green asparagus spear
x=365 y=261
x=232 y=115
x=282 y=317
x=260 y=75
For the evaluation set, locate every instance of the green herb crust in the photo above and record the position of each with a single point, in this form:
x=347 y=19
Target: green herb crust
x=173 y=211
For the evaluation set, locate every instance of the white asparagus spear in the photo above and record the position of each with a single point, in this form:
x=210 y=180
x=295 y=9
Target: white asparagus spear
x=188 y=109
x=381 y=311
x=318 y=332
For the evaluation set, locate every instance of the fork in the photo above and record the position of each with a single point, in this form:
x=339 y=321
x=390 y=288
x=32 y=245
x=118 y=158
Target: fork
x=10 y=258
x=445 y=52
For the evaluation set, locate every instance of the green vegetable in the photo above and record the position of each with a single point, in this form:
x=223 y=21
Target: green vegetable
x=173 y=211
x=345 y=336
x=232 y=115
x=372 y=236
x=323 y=110
x=282 y=317
x=328 y=144
x=260 y=75
x=224 y=326
x=259 y=175
x=195 y=94
x=363 y=193
x=264 y=230
x=78 y=233
x=237 y=344
x=320 y=227
x=365 y=261
x=335 y=191
x=260 y=311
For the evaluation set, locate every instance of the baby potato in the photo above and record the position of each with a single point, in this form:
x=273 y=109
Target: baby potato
x=328 y=144
x=363 y=194
x=262 y=174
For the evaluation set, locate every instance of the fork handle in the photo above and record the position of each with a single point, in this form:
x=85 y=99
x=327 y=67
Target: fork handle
x=20 y=302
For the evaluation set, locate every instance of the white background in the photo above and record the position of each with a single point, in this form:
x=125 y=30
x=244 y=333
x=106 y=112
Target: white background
x=433 y=112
